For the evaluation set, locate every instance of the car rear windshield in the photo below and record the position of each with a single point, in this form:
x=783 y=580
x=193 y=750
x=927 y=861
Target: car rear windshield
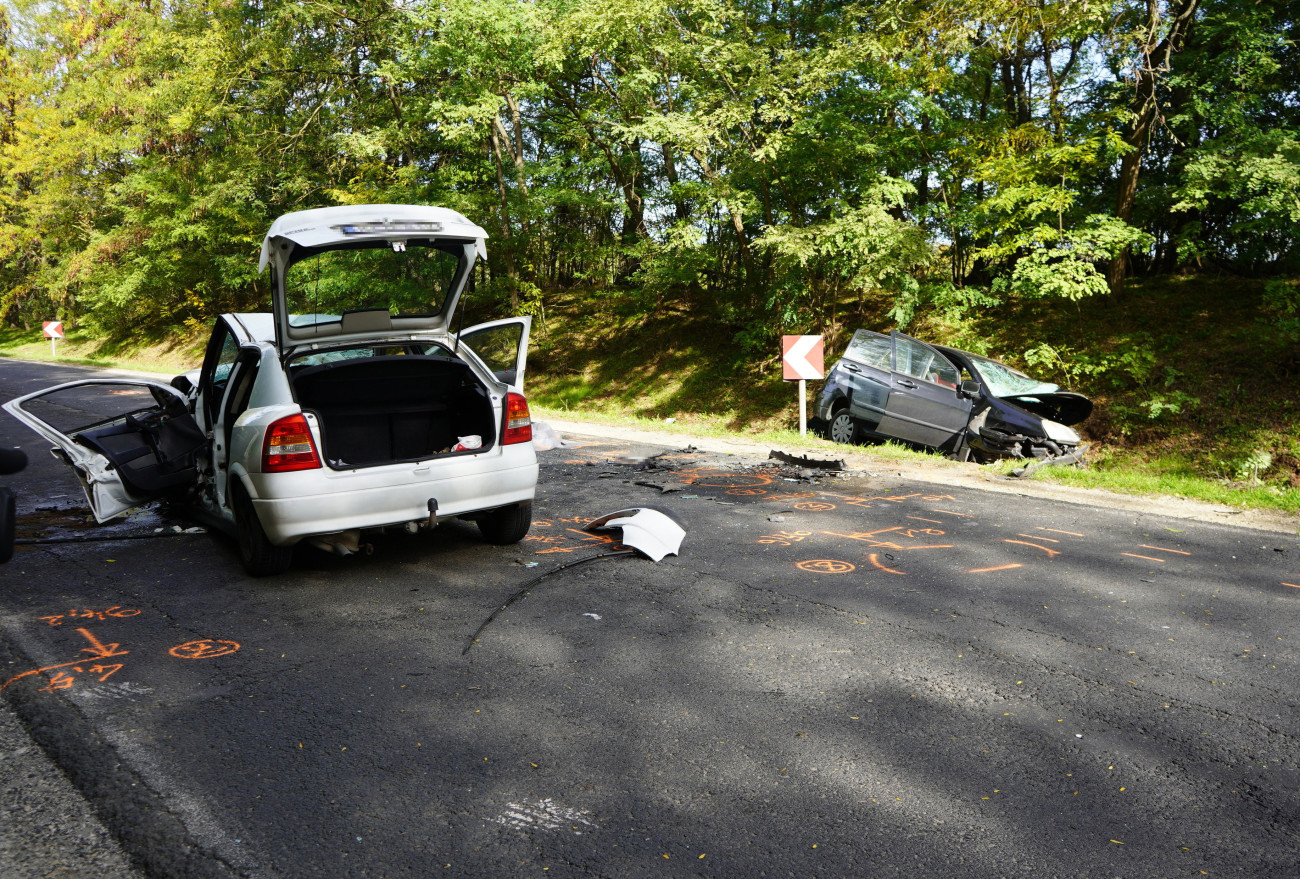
x=408 y=279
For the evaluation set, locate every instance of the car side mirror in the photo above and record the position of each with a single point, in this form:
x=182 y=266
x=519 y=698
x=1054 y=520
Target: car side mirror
x=183 y=384
x=970 y=388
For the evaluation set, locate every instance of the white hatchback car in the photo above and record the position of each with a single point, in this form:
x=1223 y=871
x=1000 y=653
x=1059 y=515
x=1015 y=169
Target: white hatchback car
x=354 y=405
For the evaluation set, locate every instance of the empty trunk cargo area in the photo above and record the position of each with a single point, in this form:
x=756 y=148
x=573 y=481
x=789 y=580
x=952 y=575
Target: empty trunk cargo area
x=382 y=409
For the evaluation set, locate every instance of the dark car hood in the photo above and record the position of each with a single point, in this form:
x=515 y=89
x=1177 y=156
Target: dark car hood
x=1063 y=407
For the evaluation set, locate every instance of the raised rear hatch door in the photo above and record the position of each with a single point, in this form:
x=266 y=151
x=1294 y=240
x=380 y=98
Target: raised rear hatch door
x=359 y=273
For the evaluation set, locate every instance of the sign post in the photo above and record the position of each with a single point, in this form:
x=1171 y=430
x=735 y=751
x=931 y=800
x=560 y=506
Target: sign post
x=802 y=358
x=53 y=331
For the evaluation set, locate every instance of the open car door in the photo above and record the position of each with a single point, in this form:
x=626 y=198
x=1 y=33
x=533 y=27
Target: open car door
x=128 y=441
x=502 y=345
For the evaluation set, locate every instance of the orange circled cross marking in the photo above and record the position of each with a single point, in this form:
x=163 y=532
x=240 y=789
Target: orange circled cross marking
x=876 y=561
x=994 y=568
x=1059 y=531
x=814 y=506
x=825 y=566
x=1147 y=557
x=1163 y=549
x=204 y=648
x=1047 y=549
x=747 y=492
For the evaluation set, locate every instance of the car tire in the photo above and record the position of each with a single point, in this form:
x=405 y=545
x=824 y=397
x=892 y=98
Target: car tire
x=8 y=509
x=842 y=428
x=507 y=525
x=261 y=558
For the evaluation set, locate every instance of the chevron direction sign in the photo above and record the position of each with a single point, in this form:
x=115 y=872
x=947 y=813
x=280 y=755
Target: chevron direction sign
x=802 y=357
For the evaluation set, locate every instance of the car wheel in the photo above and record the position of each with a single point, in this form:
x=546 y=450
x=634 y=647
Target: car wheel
x=8 y=508
x=507 y=525
x=260 y=557
x=842 y=429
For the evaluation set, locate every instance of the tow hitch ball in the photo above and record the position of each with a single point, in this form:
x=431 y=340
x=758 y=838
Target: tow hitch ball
x=433 y=512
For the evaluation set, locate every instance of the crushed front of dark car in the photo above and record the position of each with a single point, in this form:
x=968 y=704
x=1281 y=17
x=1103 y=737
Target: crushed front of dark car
x=898 y=388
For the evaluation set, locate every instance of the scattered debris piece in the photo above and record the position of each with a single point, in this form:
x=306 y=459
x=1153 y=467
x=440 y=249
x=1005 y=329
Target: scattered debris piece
x=594 y=616
x=804 y=461
x=664 y=487
x=545 y=438
x=1075 y=458
x=654 y=531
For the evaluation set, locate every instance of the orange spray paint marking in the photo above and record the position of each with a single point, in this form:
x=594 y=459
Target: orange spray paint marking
x=784 y=538
x=825 y=566
x=1147 y=557
x=554 y=549
x=1059 y=531
x=105 y=671
x=919 y=519
x=814 y=506
x=98 y=650
x=875 y=561
x=60 y=681
x=204 y=648
x=1036 y=537
x=747 y=492
x=954 y=513
x=1050 y=552
x=1292 y=585
x=995 y=568
x=1163 y=549
x=927 y=546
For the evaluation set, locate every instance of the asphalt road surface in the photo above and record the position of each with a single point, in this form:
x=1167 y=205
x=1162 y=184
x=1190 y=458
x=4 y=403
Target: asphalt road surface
x=851 y=675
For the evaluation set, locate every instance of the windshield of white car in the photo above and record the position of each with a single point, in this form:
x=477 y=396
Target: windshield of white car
x=408 y=279
x=1003 y=381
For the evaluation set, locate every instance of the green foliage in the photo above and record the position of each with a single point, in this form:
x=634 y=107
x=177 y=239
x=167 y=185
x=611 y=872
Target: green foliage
x=764 y=164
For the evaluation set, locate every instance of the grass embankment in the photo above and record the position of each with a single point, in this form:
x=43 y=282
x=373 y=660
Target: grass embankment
x=1195 y=394
x=170 y=356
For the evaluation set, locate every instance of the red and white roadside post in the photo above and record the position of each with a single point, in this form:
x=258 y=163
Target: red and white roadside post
x=802 y=358
x=53 y=331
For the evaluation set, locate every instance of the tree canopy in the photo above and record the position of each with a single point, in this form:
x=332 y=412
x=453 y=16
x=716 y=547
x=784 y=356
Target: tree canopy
x=762 y=161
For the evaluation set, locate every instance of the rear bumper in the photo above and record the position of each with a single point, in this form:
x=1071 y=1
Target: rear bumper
x=289 y=514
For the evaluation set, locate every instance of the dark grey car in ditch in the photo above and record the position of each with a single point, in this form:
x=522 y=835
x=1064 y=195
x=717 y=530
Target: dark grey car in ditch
x=897 y=387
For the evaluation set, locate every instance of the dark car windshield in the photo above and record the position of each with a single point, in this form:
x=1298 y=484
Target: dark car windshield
x=1003 y=381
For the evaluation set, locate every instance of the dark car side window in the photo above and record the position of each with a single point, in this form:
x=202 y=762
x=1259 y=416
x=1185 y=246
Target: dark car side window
x=923 y=362
x=870 y=350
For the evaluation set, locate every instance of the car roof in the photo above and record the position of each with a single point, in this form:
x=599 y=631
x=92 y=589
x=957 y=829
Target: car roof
x=258 y=325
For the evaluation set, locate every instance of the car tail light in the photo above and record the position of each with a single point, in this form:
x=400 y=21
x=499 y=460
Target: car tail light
x=288 y=446
x=519 y=424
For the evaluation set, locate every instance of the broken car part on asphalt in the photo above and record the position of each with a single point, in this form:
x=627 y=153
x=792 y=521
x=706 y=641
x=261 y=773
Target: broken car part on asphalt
x=651 y=531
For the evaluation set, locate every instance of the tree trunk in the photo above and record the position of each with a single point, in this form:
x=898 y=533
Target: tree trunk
x=1156 y=60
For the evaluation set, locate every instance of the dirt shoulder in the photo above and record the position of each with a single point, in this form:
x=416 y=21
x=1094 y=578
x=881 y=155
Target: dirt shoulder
x=949 y=473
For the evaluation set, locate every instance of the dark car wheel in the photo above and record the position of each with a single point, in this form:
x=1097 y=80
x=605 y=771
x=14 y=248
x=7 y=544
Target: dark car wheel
x=260 y=557
x=8 y=508
x=842 y=429
x=507 y=525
